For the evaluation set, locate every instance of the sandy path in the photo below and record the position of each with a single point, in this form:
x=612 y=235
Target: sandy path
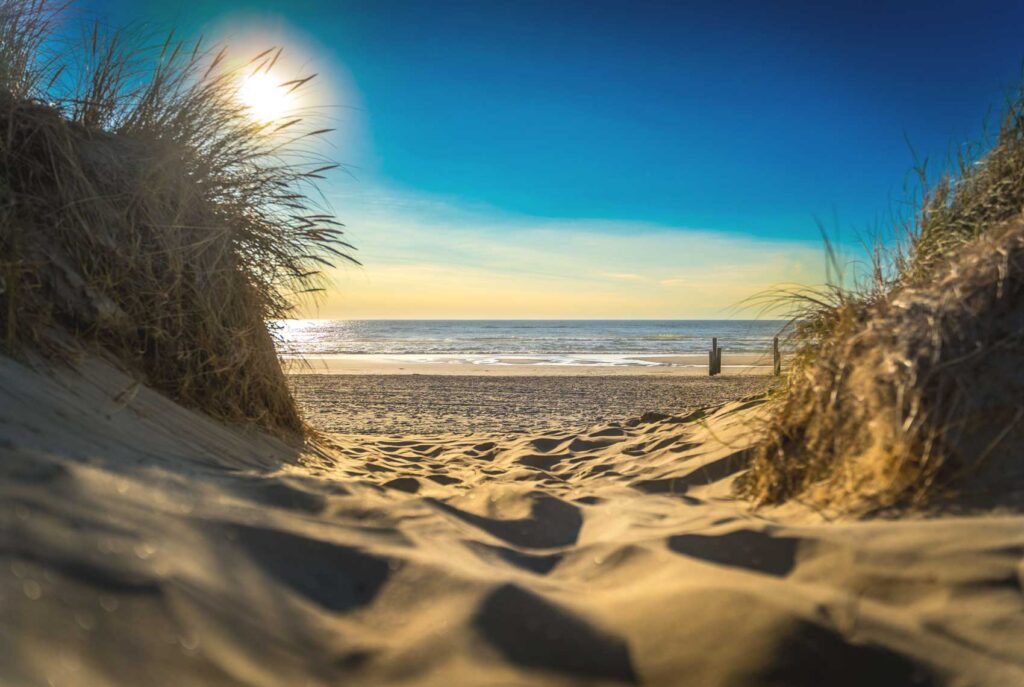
x=141 y=544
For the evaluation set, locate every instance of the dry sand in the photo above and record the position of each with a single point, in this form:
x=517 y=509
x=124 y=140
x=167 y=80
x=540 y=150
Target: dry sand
x=457 y=404
x=142 y=544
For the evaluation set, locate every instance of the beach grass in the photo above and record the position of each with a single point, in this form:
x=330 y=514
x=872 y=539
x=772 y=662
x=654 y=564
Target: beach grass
x=144 y=211
x=903 y=387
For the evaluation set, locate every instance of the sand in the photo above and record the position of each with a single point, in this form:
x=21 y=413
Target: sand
x=143 y=544
x=399 y=404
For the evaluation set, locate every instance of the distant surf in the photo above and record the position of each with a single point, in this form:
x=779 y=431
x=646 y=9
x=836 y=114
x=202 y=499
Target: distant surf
x=524 y=342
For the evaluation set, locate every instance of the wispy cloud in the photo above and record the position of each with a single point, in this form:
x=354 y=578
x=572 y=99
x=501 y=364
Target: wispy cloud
x=428 y=258
x=624 y=276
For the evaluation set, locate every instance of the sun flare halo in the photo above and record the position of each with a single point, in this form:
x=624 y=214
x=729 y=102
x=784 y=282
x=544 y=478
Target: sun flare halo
x=265 y=98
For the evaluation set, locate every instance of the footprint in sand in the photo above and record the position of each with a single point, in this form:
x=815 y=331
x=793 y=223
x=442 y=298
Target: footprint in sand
x=512 y=620
x=409 y=485
x=336 y=576
x=552 y=522
x=749 y=549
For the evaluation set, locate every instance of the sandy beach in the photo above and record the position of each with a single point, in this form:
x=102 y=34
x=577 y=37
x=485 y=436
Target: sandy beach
x=426 y=404
x=614 y=554
x=503 y=421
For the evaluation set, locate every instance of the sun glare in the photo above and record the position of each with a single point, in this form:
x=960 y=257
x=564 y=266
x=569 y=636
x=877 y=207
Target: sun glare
x=265 y=98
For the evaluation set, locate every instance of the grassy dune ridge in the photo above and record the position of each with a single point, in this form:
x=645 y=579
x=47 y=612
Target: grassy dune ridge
x=906 y=389
x=144 y=210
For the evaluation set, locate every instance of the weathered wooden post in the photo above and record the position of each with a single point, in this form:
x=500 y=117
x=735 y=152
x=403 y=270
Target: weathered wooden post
x=714 y=358
x=776 y=357
x=718 y=362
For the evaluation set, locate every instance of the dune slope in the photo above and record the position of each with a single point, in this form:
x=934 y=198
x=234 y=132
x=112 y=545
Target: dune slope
x=142 y=543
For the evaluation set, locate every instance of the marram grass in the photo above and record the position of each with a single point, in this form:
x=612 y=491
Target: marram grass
x=143 y=211
x=906 y=389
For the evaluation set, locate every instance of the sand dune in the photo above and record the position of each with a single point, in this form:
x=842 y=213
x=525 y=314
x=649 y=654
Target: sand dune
x=143 y=544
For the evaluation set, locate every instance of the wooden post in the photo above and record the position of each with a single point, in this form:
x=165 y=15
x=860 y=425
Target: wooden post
x=714 y=358
x=718 y=362
x=776 y=357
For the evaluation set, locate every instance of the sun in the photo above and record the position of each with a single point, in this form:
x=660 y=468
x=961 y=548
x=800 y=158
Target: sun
x=266 y=99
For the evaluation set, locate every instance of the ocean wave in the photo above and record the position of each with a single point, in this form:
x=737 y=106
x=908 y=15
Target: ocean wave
x=538 y=338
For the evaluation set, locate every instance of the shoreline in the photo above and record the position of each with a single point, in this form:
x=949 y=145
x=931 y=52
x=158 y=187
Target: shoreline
x=684 y=365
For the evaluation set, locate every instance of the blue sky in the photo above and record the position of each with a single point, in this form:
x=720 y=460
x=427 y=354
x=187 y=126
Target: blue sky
x=478 y=130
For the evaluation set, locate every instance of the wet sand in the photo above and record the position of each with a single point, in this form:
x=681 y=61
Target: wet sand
x=733 y=364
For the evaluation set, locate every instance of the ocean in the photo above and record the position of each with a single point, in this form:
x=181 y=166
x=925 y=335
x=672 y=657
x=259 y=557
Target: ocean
x=557 y=342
